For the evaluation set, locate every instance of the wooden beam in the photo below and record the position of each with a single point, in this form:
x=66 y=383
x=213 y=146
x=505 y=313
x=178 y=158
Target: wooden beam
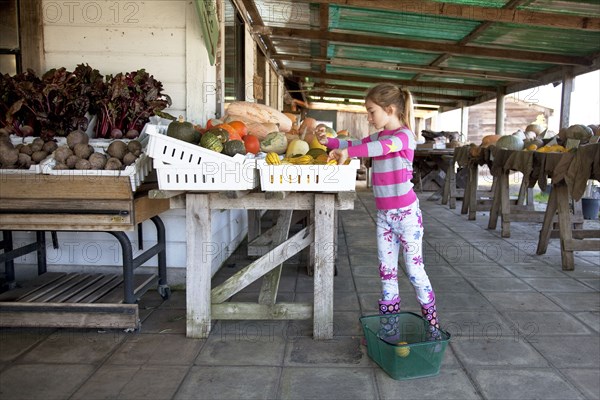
x=31 y=32
x=565 y=102
x=477 y=13
x=429 y=70
x=431 y=46
x=367 y=79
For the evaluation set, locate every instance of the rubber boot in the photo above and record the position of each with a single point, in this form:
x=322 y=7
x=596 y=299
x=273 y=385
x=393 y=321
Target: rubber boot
x=388 y=326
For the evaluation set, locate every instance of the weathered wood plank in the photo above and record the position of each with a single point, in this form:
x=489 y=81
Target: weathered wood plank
x=581 y=245
x=252 y=311
x=39 y=186
x=164 y=194
x=324 y=266
x=198 y=266
x=146 y=208
x=258 y=268
x=34 y=295
x=141 y=283
x=270 y=284
x=104 y=280
x=32 y=286
x=63 y=315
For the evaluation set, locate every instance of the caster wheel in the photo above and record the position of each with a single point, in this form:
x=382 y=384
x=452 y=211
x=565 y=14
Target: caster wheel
x=164 y=291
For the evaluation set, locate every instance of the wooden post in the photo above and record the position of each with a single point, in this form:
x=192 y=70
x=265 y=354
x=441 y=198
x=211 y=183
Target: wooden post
x=565 y=226
x=500 y=111
x=198 y=265
x=547 y=225
x=565 y=101
x=504 y=204
x=474 y=182
x=324 y=266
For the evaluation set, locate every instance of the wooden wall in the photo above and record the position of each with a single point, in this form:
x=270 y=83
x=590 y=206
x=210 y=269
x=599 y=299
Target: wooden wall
x=518 y=114
x=355 y=123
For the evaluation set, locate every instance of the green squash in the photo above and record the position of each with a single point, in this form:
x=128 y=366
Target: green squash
x=233 y=147
x=183 y=130
x=211 y=142
x=221 y=133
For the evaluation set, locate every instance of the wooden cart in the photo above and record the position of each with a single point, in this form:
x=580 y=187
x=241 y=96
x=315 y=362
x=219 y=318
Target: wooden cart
x=42 y=203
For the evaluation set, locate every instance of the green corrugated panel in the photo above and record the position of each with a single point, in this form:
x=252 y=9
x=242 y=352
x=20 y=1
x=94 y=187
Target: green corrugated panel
x=493 y=65
x=378 y=73
x=589 y=8
x=465 y=81
x=343 y=92
x=433 y=92
x=359 y=85
x=480 y=3
x=563 y=41
x=390 y=23
x=381 y=54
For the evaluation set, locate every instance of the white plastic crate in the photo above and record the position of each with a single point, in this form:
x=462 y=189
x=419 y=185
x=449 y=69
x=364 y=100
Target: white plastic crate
x=183 y=166
x=308 y=178
x=208 y=176
x=136 y=172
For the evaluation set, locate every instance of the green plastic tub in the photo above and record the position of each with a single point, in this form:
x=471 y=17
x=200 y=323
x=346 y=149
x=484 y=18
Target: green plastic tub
x=419 y=357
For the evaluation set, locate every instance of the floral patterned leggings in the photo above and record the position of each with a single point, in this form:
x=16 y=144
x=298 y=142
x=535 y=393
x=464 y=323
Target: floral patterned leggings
x=402 y=229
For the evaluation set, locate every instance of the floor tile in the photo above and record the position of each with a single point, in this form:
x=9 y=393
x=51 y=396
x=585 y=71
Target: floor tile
x=523 y=384
x=496 y=351
x=156 y=348
x=324 y=383
x=229 y=382
x=581 y=353
x=587 y=380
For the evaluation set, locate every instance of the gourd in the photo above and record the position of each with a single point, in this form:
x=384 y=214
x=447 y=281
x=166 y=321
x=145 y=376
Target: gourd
x=300 y=160
x=297 y=147
x=274 y=142
x=314 y=153
x=307 y=129
x=489 y=140
x=233 y=147
x=474 y=150
x=534 y=128
x=183 y=130
x=211 y=142
x=256 y=112
x=510 y=142
x=272 y=159
x=315 y=144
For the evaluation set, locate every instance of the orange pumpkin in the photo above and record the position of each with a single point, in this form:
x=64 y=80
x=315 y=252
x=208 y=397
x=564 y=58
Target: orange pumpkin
x=252 y=144
x=489 y=140
x=239 y=127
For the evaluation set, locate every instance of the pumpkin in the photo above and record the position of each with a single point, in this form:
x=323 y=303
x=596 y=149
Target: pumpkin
x=296 y=147
x=233 y=147
x=240 y=128
x=315 y=144
x=489 y=140
x=272 y=158
x=314 y=153
x=474 y=150
x=510 y=142
x=252 y=144
x=579 y=132
x=274 y=142
x=307 y=129
x=211 y=141
x=534 y=128
x=520 y=134
x=183 y=130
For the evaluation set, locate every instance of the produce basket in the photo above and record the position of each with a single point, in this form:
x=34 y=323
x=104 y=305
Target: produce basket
x=183 y=166
x=421 y=356
x=308 y=178
x=136 y=172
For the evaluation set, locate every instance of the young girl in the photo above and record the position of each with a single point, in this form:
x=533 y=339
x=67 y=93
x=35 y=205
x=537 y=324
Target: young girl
x=399 y=220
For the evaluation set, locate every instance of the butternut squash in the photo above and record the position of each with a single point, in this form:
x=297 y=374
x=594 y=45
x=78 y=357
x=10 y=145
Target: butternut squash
x=259 y=113
x=489 y=140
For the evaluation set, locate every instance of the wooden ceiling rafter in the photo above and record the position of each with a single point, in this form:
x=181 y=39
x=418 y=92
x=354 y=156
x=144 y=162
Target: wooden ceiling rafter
x=430 y=46
x=476 y=13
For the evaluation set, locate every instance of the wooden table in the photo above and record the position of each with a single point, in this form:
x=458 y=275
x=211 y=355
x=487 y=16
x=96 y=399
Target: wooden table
x=429 y=166
x=35 y=202
x=569 y=173
x=205 y=303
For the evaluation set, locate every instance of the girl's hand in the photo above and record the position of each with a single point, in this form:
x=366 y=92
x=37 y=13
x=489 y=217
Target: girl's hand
x=340 y=155
x=321 y=134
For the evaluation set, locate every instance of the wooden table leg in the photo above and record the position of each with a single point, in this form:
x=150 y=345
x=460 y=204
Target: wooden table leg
x=564 y=225
x=270 y=284
x=495 y=210
x=547 y=225
x=324 y=266
x=465 y=203
x=474 y=180
x=198 y=265
x=504 y=205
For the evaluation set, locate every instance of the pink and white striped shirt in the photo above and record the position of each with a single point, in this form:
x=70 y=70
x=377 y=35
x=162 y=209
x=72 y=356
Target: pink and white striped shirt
x=392 y=153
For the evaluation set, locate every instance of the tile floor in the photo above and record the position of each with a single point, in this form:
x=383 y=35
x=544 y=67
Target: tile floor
x=521 y=329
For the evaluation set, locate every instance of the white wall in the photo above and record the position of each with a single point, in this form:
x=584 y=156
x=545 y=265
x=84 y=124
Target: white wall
x=164 y=37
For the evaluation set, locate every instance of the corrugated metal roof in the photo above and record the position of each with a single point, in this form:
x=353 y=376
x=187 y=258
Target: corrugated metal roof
x=459 y=51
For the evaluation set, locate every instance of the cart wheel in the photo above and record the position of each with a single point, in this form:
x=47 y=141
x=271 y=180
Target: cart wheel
x=164 y=291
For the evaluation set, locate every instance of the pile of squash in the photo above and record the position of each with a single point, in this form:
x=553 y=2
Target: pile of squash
x=533 y=138
x=256 y=128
